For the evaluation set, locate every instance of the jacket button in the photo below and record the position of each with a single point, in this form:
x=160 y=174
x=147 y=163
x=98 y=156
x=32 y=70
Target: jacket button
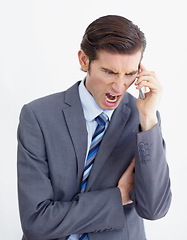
x=141 y=145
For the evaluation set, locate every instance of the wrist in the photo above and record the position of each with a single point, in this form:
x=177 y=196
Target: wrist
x=147 y=122
x=125 y=197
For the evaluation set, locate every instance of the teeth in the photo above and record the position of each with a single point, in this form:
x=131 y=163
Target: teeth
x=113 y=96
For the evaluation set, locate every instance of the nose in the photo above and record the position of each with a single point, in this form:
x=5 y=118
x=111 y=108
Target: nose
x=119 y=86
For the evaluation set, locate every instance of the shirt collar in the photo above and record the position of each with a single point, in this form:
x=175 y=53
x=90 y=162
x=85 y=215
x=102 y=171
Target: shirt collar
x=90 y=106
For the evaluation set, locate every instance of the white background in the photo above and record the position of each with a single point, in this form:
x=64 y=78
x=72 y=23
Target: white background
x=39 y=40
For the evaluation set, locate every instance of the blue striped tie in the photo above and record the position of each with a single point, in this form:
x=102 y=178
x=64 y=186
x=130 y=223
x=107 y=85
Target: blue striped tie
x=96 y=141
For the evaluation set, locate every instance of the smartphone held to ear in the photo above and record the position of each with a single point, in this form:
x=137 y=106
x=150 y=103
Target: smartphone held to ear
x=141 y=90
x=142 y=94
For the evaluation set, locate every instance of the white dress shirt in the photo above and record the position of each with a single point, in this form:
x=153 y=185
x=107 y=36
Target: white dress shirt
x=91 y=111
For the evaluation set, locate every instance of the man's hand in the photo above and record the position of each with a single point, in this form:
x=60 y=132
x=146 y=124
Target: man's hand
x=147 y=108
x=126 y=183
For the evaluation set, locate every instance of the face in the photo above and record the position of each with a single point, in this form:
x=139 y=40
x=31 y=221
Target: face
x=110 y=75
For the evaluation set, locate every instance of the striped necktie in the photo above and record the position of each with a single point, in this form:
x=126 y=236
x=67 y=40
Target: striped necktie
x=96 y=141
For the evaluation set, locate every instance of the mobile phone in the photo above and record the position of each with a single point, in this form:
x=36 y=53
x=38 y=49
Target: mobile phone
x=141 y=92
x=142 y=95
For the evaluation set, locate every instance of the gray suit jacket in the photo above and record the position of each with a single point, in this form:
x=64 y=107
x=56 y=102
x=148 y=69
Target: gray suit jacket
x=52 y=144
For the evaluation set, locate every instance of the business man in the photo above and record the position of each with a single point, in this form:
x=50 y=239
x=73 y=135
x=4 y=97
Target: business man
x=91 y=160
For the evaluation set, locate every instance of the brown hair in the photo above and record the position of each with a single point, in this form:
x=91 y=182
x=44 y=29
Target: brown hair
x=114 y=34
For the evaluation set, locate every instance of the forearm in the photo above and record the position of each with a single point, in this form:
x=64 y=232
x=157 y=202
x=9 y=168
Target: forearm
x=88 y=212
x=152 y=195
x=44 y=217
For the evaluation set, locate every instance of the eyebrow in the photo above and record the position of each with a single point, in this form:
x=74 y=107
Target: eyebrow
x=108 y=70
x=128 y=73
x=132 y=73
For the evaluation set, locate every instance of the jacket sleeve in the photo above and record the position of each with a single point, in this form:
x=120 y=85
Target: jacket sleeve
x=41 y=216
x=152 y=194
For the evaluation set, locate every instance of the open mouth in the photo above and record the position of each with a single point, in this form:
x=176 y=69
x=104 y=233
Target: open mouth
x=111 y=98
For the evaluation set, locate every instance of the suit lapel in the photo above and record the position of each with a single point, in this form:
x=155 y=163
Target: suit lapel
x=110 y=139
x=75 y=121
x=76 y=124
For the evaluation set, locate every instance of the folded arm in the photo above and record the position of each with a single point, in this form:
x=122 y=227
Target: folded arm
x=42 y=216
x=152 y=193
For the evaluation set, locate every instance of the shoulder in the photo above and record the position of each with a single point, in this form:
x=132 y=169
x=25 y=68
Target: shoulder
x=49 y=107
x=47 y=101
x=52 y=101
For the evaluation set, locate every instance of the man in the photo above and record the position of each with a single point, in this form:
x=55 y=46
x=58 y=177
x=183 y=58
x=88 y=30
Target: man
x=79 y=179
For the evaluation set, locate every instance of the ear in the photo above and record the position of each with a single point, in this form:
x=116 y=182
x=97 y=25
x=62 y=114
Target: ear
x=83 y=60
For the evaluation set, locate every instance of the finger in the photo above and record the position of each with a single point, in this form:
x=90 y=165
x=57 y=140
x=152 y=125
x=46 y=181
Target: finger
x=149 y=85
x=129 y=201
x=133 y=161
x=142 y=68
x=147 y=73
x=132 y=165
x=147 y=78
